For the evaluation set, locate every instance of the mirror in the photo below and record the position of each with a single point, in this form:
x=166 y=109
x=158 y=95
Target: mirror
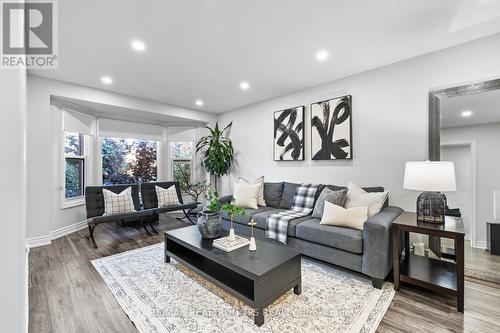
x=464 y=127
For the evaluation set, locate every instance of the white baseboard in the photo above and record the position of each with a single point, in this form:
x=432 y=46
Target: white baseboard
x=68 y=230
x=58 y=233
x=38 y=241
x=481 y=245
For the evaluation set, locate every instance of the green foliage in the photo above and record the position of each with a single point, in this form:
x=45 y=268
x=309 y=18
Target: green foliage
x=217 y=151
x=126 y=161
x=73 y=186
x=114 y=166
x=232 y=210
x=213 y=203
x=182 y=174
x=181 y=171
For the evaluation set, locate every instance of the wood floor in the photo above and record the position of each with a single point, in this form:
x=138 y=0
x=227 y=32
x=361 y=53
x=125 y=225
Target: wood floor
x=66 y=294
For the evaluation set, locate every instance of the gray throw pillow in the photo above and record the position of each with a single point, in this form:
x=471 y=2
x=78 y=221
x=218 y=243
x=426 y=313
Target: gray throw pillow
x=335 y=197
x=288 y=194
x=272 y=194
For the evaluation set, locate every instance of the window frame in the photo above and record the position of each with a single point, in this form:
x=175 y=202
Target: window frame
x=173 y=160
x=79 y=200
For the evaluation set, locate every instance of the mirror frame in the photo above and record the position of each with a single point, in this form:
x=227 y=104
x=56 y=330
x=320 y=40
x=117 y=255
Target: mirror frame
x=435 y=112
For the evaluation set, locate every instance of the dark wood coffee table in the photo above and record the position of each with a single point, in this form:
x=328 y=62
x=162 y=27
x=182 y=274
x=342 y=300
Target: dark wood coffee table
x=257 y=278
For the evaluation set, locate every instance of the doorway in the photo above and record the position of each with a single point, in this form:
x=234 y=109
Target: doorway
x=463 y=156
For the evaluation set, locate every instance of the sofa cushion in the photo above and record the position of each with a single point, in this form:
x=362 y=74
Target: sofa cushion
x=335 y=197
x=338 y=237
x=273 y=193
x=261 y=217
x=288 y=194
x=371 y=189
x=245 y=219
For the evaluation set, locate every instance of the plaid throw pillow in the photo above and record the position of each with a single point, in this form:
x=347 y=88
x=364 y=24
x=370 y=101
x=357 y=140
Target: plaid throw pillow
x=166 y=197
x=118 y=203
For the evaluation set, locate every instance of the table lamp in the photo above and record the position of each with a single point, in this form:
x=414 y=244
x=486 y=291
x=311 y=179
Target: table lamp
x=433 y=178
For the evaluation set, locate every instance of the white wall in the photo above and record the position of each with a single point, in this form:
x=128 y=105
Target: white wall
x=390 y=112
x=44 y=213
x=487 y=140
x=13 y=281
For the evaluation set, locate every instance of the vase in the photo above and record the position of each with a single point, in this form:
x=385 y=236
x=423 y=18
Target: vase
x=209 y=224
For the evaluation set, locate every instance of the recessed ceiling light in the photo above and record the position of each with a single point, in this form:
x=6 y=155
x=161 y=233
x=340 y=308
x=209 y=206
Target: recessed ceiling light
x=199 y=102
x=244 y=85
x=466 y=113
x=322 y=55
x=138 y=45
x=106 y=80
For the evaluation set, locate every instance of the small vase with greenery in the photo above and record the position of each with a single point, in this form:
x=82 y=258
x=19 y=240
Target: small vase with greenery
x=209 y=220
x=232 y=210
x=217 y=151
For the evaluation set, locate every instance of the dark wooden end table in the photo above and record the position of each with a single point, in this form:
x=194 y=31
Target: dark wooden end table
x=440 y=276
x=257 y=278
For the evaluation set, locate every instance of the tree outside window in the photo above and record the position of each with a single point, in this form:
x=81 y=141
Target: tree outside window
x=181 y=155
x=128 y=161
x=74 y=151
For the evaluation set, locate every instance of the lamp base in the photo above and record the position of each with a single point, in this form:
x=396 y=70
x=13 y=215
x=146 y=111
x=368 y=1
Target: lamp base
x=431 y=207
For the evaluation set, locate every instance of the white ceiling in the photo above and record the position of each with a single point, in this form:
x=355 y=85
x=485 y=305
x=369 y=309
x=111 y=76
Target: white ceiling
x=203 y=49
x=485 y=108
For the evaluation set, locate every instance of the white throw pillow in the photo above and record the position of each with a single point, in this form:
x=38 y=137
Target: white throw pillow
x=357 y=197
x=260 y=181
x=353 y=218
x=166 y=196
x=118 y=203
x=245 y=196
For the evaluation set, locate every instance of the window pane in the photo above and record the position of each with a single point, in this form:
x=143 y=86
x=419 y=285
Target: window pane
x=128 y=161
x=181 y=171
x=73 y=144
x=74 y=177
x=182 y=150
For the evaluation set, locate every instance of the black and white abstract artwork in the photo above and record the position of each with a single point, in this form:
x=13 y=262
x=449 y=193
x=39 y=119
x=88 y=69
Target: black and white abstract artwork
x=331 y=129
x=289 y=134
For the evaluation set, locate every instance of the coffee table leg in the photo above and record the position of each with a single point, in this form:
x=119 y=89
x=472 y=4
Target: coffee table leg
x=167 y=259
x=298 y=289
x=258 y=319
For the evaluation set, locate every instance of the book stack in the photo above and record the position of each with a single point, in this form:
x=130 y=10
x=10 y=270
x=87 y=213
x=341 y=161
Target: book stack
x=226 y=245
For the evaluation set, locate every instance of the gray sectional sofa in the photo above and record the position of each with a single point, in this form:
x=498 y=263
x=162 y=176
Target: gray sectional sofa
x=367 y=251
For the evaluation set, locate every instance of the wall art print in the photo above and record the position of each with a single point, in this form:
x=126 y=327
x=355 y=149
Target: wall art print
x=289 y=134
x=331 y=129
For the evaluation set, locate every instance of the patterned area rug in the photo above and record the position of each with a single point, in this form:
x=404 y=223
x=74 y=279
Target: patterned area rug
x=161 y=297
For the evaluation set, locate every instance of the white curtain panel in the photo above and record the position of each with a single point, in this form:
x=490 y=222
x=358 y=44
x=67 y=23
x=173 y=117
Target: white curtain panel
x=129 y=130
x=76 y=122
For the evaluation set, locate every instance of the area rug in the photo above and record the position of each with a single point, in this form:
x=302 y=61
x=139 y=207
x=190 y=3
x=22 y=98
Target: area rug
x=159 y=297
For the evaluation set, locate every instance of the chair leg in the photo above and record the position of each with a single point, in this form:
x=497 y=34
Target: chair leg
x=144 y=226
x=186 y=216
x=152 y=227
x=91 y=236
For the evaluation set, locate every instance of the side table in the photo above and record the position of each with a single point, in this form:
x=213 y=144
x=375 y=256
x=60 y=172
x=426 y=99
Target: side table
x=439 y=276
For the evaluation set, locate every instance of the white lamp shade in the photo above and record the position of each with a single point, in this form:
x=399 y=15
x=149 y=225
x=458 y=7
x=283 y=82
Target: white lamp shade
x=430 y=176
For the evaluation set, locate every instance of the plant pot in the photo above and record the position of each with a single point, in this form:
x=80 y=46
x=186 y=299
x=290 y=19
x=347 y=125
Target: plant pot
x=209 y=224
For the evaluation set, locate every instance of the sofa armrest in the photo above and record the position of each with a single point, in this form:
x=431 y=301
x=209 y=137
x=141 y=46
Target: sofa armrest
x=226 y=199
x=377 y=243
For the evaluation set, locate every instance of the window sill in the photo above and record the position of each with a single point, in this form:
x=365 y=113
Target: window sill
x=70 y=203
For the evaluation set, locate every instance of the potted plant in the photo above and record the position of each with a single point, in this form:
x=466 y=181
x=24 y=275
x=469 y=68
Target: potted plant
x=232 y=210
x=192 y=189
x=217 y=151
x=209 y=220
